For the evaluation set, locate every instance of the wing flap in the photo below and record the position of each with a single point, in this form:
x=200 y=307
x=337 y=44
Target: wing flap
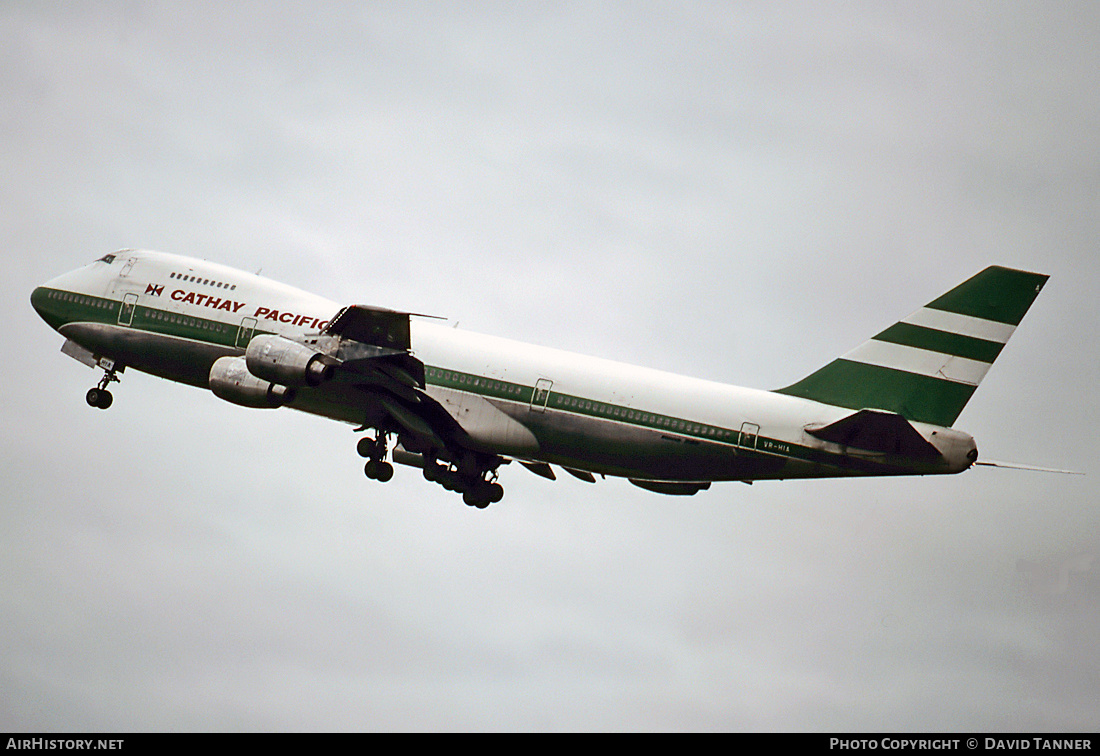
x=412 y=422
x=540 y=468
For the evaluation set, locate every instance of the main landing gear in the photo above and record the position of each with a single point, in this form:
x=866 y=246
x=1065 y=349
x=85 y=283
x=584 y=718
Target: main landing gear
x=479 y=488
x=374 y=449
x=99 y=397
x=474 y=477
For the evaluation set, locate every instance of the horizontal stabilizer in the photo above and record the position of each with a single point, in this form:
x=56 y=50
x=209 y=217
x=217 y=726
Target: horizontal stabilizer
x=877 y=431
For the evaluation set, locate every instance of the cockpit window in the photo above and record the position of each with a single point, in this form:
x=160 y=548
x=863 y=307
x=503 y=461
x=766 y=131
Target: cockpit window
x=107 y=259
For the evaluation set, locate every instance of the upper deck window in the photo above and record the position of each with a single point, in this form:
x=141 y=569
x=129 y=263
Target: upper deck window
x=201 y=281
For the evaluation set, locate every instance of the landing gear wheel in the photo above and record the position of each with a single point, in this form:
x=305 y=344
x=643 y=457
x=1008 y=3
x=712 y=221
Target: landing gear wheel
x=475 y=479
x=99 y=398
x=483 y=493
x=475 y=498
x=384 y=472
x=378 y=470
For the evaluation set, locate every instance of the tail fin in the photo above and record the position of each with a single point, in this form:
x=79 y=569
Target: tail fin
x=926 y=367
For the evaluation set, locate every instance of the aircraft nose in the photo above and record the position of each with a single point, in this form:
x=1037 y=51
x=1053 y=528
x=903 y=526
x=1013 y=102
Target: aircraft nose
x=39 y=298
x=44 y=299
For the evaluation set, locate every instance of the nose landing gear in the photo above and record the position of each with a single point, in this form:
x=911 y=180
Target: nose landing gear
x=99 y=397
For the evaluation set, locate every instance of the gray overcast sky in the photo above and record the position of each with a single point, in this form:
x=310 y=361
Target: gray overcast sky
x=735 y=191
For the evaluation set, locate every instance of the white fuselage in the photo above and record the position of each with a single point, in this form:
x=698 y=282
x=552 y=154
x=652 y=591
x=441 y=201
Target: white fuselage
x=173 y=316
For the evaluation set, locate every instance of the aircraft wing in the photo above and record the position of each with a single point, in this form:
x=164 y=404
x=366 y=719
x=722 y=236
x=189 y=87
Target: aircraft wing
x=374 y=350
x=373 y=326
x=376 y=344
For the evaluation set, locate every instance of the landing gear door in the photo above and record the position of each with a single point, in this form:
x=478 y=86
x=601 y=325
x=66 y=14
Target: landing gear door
x=244 y=333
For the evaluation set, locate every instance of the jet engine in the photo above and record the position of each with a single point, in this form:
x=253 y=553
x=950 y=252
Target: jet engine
x=231 y=380
x=286 y=362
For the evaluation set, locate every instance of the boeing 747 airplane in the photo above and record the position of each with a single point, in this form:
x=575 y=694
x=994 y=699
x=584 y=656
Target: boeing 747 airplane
x=459 y=405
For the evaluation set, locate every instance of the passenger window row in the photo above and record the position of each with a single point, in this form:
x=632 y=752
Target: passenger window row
x=66 y=296
x=203 y=281
x=598 y=408
x=206 y=325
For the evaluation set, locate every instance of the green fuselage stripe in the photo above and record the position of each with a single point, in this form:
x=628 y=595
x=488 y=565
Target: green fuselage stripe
x=497 y=389
x=61 y=307
x=694 y=432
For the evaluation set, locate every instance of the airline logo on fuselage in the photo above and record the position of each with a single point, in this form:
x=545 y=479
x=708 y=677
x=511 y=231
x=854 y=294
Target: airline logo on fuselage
x=231 y=305
x=205 y=300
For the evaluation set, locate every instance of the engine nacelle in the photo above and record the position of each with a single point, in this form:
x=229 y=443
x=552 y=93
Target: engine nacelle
x=286 y=362
x=231 y=380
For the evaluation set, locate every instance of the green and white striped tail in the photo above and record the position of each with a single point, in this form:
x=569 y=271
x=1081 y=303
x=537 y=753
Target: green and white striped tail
x=926 y=367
